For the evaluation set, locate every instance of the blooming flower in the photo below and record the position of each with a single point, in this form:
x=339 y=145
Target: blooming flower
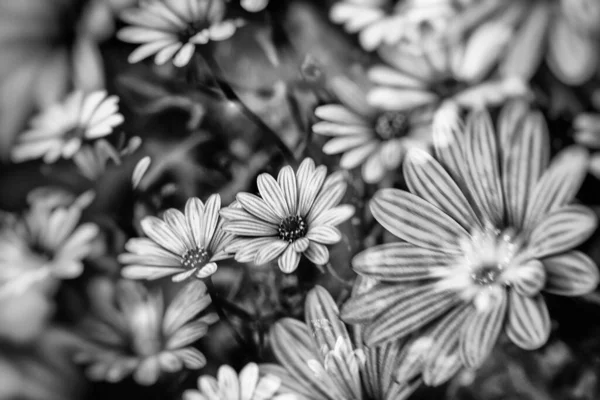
x=179 y=244
x=47 y=48
x=375 y=138
x=137 y=335
x=295 y=214
x=172 y=29
x=229 y=386
x=379 y=22
x=484 y=231
x=47 y=243
x=61 y=128
x=319 y=361
x=564 y=32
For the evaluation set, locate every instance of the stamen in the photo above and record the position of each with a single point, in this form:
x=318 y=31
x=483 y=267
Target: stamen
x=392 y=124
x=195 y=258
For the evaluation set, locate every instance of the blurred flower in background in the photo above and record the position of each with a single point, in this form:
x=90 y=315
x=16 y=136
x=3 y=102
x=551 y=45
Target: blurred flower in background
x=60 y=130
x=171 y=30
x=131 y=331
x=49 y=49
x=473 y=262
x=181 y=244
x=319 y=361
x=248 y=385
x=92 y=158
x=295 y=214
x=254 y=5
x=587 y=132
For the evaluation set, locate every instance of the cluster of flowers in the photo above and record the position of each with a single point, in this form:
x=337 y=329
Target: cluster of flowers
x=483 y=224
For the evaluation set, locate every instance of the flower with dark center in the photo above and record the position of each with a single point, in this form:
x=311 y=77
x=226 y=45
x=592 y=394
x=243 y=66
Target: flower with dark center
x=392 y=125
x=180 y=244
x=484 y=231
x=171 y=30
x=295 y=214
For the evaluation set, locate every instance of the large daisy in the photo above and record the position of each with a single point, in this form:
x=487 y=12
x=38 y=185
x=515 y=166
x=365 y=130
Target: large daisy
x=171 y=29
x=484 y=232
x=247 y=385
x=61 y=129
x=179 y=244
x=319 y=361
x=131 y=332
x=295 y=214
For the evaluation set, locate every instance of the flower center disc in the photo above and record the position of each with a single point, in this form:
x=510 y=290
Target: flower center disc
x=291 y=228
x=486 y=275
x=195 y=258
x=392 y=124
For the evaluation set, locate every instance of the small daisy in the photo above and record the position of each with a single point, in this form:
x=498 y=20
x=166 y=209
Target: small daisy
x=295 y=214
x=587 y=133
x=320 y=362
x=373 y=138
x=228 y=385
x=92 y=159
x=564 y=32
x=380 y=22
x=60 y=130
x=46 y=244
x=171 y=29
x=130 y=331
x=179 y=244
x=484 y=233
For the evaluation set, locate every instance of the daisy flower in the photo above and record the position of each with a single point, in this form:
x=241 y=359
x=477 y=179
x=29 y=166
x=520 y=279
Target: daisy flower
x=319 y=361
x=60 y=130
x=131 y=332
x=587 y=133
x=379 y=22
x=372 y=138
x=483 y=233
x=171 y=29
x=179 y=244
x=565 y=33
x=295 y=214
x=228 y=385
x=48 y=48
x=47 y=243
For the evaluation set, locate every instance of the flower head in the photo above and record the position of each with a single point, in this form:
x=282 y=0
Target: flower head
x=130 y=331
x=295 y=214
x=172 y=29
x=60 y=130
x=319 y=360
x=484 y=232
x=47 y=243
x=230 y=386
x=179 y=244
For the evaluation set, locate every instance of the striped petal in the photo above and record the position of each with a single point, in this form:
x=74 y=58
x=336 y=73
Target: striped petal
x=415 y=220
x=335 y=215
x=480 y=332
x=427 y=179
x=187 y=334
x=483 y=175
x=310 y=183
x=530 y=278
x=367 y=305
x=558 y=185
x=570 y=274
x=562 y=230
x=293 y=346
x=317 y=253
x=194 y=209
x=324 y=234
x=257 y=207
x=273 y=195
x=176 y=221
x=270 y=251
x=322 y=318
x=525 y=155
x=339 y=113
x=245 y=249
x=210 y=219
x=289 y=260
x=528 y=324
x=254 y=228
x=400 y=262
x=330 y=195
x=189 y=301
x=448 y=139
x=287 y=181
x=416 y=307
x=160 y=232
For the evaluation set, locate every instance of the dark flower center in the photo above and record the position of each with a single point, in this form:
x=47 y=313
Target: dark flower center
x=486 y=274
x=446 y=88
x=291 y=228
x=392 y=124
x=195 y=258
x=191 y=30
